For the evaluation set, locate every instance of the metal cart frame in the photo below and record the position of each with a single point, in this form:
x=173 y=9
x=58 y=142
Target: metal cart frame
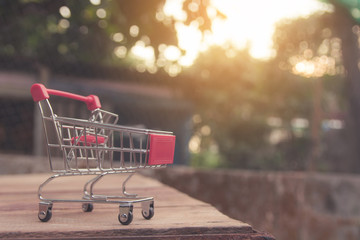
x=99 y=147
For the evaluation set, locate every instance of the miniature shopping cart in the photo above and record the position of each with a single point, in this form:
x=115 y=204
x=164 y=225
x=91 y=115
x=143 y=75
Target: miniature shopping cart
x=98 y=147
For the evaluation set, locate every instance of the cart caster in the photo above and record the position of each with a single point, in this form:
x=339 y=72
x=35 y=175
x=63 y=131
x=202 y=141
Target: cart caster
x=87 y=207
x=148 y=210
x=45 y=212
x=126 y=215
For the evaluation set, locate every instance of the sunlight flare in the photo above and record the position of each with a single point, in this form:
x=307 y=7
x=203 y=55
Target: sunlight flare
x=247 y=24
x=242 y=25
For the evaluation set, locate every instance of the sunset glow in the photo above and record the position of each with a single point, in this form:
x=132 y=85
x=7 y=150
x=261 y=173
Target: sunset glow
x=245 y=24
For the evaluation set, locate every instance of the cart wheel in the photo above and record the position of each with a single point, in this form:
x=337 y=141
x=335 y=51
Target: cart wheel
x=45 y=216
x=148 y=214
x=87 y=207
x=125 y=219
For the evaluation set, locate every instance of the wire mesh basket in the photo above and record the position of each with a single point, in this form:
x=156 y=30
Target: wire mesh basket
x=98 y=146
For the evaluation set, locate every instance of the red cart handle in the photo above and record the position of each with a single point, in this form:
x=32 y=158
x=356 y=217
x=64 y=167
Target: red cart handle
x=40 y=92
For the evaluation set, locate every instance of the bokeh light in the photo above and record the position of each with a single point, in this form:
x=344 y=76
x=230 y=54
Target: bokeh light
x=95 y=2
x=134 y=31
x=101 y=13
x=118 y=37
x=65 y=12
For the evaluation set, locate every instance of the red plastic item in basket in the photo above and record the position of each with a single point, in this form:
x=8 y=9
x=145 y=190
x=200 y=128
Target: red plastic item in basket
x=162 y=148
x=90 y=139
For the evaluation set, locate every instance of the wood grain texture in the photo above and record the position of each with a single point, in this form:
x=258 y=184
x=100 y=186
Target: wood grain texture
x=177 y=216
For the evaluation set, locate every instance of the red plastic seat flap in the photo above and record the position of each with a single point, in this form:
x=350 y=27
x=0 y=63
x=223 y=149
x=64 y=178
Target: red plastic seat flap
x=162 y=148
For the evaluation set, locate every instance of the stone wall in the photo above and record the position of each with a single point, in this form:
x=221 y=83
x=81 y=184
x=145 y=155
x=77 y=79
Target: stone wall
x=289 y=205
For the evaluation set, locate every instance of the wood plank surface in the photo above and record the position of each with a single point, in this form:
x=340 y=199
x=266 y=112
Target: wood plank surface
x=177 y=216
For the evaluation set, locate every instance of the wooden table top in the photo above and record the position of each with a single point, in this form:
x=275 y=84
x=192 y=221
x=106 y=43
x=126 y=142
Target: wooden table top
x=177 y=216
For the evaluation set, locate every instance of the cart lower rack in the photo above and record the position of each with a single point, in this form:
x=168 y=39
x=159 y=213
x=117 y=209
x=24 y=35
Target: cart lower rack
x=98 y=147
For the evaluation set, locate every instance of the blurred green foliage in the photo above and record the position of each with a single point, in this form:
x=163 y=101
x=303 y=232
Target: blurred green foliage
x=238 y=96
x=35 y=30
x=235 y=97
